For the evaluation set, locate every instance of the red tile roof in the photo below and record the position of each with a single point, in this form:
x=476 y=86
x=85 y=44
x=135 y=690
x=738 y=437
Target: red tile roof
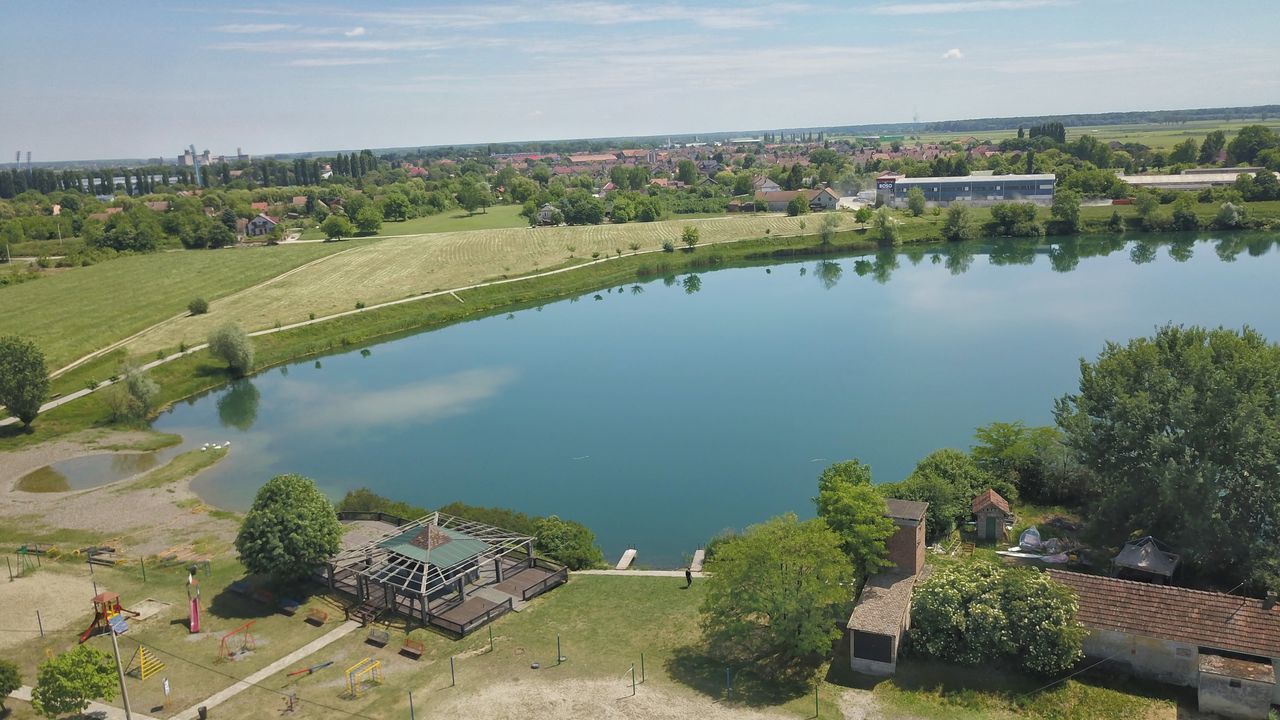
x=1207 y=619
x=990 y=498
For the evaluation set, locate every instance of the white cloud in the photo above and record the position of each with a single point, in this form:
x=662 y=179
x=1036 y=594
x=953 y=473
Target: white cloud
x=953 y=54
x=319 y=46
x=426 y=401
x=947 y=8
x=354 y=32
x=536 y=114
x=254 y=28
x=337 y=62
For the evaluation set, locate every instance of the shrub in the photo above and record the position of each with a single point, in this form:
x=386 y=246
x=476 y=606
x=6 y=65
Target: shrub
x=959 y=223
x=689 y=236
x=359 y=305
x=198 y=306
x=232 y=345
x=24 y=381
x=983 y=614
x=569 y=543
x=1230 y=217
x=65 y=684
x=915 y=201
x=134 y=396
x=668 y=246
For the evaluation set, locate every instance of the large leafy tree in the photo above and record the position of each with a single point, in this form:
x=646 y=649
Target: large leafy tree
x=1182 y=430
x=1251 y=140
x=10 y=681
x=1035 y=459
x=774 y=595
x=65 y=684
x=290 y=530
x=948 y=480
x=568 y=542
x=855 y=510
x=24 y=381
x=981 y=613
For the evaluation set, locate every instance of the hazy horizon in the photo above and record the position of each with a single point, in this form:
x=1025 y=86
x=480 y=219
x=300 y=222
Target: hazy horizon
x=145 y=80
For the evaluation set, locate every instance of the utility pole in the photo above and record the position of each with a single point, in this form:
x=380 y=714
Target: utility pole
x=124 y=691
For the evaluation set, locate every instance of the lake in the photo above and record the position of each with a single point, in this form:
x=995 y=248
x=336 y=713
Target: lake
x=663 y=412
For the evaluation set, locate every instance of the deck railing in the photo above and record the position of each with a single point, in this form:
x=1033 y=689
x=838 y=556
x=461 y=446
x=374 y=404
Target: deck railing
x=555 y=579
x=461 y=629
x=352 y=515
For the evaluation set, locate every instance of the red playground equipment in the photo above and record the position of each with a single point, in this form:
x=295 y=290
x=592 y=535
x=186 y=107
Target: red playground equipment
x=193 y=599
x=237 y=642
x=106 y=605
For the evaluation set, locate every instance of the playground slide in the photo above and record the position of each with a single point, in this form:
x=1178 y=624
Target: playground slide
x=195 y=615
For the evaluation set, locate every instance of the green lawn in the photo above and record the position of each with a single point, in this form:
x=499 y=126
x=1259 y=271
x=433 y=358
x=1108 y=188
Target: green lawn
x=498 y=216
x=72 y=312
x=1159 y=136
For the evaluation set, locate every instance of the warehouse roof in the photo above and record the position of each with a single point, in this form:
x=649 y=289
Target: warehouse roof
x=1038 y=177
x=1208 y=619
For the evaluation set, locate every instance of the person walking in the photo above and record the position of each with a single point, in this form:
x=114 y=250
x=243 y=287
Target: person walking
x=688 y=578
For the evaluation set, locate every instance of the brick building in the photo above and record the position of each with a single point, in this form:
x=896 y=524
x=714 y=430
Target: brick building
x=1225 y=646
x=882 y=614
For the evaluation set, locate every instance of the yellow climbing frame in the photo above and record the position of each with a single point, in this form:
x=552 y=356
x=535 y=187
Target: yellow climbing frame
x=364 y=673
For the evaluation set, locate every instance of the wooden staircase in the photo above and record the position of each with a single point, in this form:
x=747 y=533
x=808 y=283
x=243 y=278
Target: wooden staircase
x=365 y=614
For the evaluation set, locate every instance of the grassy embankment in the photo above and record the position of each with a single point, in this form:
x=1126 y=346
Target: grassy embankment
x=77 y=310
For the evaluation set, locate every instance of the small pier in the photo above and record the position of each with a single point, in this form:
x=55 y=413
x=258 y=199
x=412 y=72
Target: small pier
x=627 y=558
x=698 y=556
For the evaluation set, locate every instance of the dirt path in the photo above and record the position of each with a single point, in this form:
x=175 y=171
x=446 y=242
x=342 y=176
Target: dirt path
x=598 y=699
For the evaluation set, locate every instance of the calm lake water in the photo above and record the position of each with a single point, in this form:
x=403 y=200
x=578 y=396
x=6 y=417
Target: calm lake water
x=661 y=413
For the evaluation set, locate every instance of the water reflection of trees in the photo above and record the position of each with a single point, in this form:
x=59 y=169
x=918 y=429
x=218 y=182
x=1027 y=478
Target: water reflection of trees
x=828 y=272
x=238 y=406
x=692 y=284
x=1065 y=254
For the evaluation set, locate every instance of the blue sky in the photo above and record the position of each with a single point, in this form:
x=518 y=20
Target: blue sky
x=139 y=79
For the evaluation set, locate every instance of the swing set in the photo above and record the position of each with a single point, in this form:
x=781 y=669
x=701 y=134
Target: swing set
x=237 y=642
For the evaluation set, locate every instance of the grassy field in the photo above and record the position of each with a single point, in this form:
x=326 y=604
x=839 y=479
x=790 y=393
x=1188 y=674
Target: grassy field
x=403 y=267
x=1157 y=136
x=498 y=216
x=72 y=312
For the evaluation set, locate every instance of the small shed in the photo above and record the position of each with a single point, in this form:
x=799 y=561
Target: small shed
x=991 y=515
x=1147 y=559
x=1235 y=687
x=880 y=618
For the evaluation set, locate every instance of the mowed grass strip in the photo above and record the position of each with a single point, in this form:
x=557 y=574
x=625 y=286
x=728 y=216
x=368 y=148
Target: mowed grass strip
x=498 y=216
x=76 y=311
x=403 y=267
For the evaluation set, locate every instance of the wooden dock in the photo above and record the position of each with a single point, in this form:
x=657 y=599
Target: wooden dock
x=627 y=558
x=698 y=556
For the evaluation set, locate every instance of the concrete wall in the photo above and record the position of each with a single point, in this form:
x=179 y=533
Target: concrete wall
x=1250 y=701
x=1161 y=660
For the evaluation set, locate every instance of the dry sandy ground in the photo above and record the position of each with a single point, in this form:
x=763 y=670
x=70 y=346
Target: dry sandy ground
x=139 y=522
x=599 y=699
x=60 y=598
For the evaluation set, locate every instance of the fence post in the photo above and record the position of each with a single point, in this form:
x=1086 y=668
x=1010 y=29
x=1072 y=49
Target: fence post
x=453 y=675
x=728 y=685
x=815 y=700
x=633 y=679
x=40 y=623
x=6 y=562
x=411 y=705
x=641 y=668
x=490 y=638
x=559 y=656
x=144 y=568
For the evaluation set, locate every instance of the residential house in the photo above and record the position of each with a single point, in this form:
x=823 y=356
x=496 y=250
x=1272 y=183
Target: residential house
x=882 y=614
x=777 y=200
x=824 y=200
x=762 y=183
x=299 y=201
x=261 y=225
x=547 y=214
x=258 y=206
x=1226 y=646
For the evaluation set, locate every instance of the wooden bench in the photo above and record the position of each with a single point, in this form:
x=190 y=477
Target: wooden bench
x=412 y=648
x=288 y=606
x=317 y=617
x=378 y=638
x=240 y=587
x=264 y=596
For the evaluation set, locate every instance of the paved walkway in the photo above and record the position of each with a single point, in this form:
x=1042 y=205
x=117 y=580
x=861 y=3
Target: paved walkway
x=287 y=661
x=96 y=709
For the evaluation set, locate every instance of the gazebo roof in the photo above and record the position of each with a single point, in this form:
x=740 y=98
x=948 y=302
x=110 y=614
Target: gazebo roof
x=436 y=545
x=429 y=553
